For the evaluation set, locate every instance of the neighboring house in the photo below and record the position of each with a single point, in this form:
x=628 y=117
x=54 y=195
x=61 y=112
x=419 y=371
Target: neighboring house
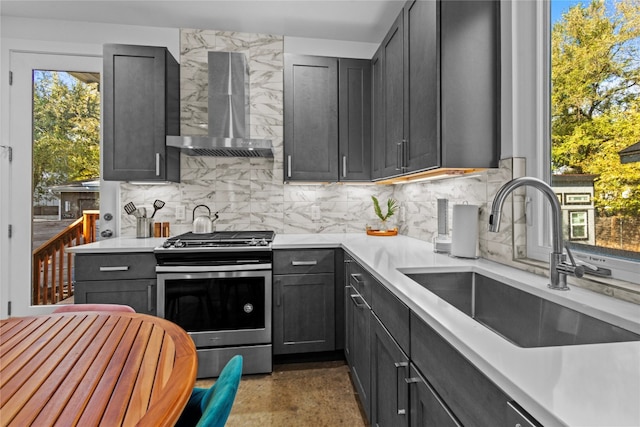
x=575 y=192
x=77 y=197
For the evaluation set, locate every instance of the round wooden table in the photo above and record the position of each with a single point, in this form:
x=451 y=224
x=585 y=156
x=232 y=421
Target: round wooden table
x=94 y=368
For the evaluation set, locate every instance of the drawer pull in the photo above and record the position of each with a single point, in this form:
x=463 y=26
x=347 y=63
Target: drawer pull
x=115 y=268
x=150 y=298
x=356 y=303
x=300 y=263
x=357 y=278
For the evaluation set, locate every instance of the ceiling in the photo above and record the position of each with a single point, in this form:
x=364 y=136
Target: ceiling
x=350 y=20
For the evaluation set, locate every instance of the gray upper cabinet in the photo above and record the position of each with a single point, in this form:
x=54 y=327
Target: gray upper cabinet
x=436 y=90
x=327 y=133
x=141 y=97
x=388 y=99
x=311 y=118
x=470 y=83
x=354 y=97
x=421 y=118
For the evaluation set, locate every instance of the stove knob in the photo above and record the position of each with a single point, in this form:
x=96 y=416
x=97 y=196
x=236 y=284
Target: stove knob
x=166 y=244
x=253 y=242
x=264 y=242
x=179 y=244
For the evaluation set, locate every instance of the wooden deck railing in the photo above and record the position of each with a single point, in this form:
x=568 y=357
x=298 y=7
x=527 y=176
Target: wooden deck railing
x=53 y=266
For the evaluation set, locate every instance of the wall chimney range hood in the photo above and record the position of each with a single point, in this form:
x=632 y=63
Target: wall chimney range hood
x=228 y=113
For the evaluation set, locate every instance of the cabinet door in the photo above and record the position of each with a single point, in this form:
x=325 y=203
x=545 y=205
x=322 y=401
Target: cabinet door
x=470 y=395
x=141 y=107
x=378 y=138
x=138 y=294
x=427 y=409
x=388 y=145
x=470 y=85
x=311 y=118
x=354 y=96
x=421 y=112
x=389 y=369
x=304 y=319
x=357 y=343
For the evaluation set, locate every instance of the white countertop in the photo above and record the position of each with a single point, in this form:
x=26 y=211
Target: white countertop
x=579 y=385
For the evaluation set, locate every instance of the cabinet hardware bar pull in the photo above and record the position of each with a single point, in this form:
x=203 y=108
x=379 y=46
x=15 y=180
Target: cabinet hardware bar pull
x=115 y=268
x=412 y=380
x=298 y=263
x=399 y=156
x=353 y=298
x=401 y=364
x=344 y=166
x=289 y=166
x=149 y=298
x=157 y=164
x=356 y=278
x=402 y=412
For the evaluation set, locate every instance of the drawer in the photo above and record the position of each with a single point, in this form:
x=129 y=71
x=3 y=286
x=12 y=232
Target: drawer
x=134 y=265
x=361 y=280
x=393 y=314
x=303 y=261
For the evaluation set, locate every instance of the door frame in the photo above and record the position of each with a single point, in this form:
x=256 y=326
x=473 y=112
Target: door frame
x=18 y=194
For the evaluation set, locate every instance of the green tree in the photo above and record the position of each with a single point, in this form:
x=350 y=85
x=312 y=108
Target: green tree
x=596 y=99
x=66 y=130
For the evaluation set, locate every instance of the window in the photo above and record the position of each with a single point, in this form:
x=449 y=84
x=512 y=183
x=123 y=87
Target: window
x=578 y=225
x=587 y=113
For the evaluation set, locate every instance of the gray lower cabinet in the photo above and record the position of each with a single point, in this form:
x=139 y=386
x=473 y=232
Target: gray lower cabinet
x=141 y=96
x=466 y=391
x=427 y=409
x=303 y=301
x=128 y=279
x=389 y=369
x=327 y=114
x=357 y=314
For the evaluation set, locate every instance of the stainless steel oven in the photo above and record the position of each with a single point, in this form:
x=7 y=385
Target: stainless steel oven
x=218 y=288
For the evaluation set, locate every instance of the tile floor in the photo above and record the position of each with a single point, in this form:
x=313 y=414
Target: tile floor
x=296 y=394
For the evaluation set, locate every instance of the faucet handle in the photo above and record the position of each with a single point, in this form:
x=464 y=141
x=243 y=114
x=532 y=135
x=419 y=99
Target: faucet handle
x=573 y=268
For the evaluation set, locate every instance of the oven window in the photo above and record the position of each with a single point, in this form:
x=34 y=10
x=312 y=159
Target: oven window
x=216 y=304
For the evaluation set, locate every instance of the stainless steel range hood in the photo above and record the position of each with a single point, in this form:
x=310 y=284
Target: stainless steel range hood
x=228 y=113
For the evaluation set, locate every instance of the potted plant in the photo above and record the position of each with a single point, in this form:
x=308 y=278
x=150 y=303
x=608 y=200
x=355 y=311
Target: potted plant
x=392 y=207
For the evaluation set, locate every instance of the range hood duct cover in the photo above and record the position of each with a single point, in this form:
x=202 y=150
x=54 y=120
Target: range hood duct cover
x=228 y=113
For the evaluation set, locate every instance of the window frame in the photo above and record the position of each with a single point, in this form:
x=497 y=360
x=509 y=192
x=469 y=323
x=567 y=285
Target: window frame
x=538 y=157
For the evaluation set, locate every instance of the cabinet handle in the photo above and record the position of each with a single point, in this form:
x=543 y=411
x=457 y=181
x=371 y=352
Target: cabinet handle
x=299 y=263
x=412 y=380
x=356 y=278
x=353 y=298
x=344 y=166
x=289 y=166
x=398 y=365
x=157 y=164
x=399 y=156
x=115 y=268
x=149 y=298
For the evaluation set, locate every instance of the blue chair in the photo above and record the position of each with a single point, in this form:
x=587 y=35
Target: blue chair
x=211 y=407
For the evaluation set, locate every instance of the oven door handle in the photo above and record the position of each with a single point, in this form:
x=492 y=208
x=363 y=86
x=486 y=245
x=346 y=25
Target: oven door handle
x=209 y=268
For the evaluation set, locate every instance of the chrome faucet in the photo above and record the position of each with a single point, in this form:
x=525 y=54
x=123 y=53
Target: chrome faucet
x=558 y=267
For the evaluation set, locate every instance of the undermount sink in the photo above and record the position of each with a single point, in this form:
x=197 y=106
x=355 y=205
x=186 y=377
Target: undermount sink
x=524 y=319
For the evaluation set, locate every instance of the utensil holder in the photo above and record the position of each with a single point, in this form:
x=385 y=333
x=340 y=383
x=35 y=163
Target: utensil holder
x=144 y=227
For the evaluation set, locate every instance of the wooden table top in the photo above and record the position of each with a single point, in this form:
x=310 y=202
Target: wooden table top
x=94 y=368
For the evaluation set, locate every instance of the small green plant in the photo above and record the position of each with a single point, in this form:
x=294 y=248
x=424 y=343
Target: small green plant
x=392 y=207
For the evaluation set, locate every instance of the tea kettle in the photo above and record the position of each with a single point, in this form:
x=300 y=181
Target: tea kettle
x=203 y=223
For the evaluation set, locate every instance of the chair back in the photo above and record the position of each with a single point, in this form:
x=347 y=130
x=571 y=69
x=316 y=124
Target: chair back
x=217 y=401
x=74 y=308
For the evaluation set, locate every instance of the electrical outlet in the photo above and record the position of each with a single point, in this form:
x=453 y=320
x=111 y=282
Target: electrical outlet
x=180 y=213
x=315 y=213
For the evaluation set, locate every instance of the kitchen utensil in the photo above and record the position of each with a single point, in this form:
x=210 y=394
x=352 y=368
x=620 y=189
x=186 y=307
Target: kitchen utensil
x=143 y=212
x=203 y=223
x=144 y=227
x=130 y=208
x=157 y=205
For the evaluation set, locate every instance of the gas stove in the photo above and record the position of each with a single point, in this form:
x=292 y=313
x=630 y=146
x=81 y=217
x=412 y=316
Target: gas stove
x=219 y=240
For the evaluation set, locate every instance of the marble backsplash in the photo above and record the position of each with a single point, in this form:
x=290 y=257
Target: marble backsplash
x=249 y=193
